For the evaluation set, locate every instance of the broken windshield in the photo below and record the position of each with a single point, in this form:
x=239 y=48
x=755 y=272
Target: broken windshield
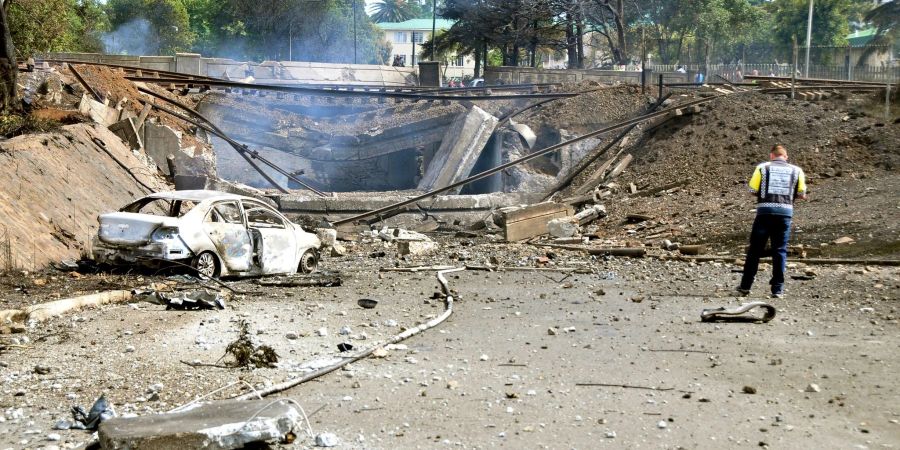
x=160 y=207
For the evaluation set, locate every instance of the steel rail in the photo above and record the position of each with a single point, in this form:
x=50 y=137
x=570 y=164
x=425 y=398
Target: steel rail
x=85 y=83
x=815 y=80
x=211 y=127
x=210 y=130
x=340 y=93
x=526 y=158
x=132 y=68
x=840 y=87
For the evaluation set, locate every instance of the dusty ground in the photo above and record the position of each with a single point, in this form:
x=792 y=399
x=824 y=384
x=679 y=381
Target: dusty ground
x=492 y=375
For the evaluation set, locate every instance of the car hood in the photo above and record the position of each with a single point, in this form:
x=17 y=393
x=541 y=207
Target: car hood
x=123 y=228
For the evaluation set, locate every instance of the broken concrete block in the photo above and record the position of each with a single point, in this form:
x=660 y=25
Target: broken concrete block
x=338 y=250
x=416 y=248
x=563 y=228
x=399 y=234
x=460 y=149
x=328 y=236
x=590 y=214
x=220 y=425
x=127 y=130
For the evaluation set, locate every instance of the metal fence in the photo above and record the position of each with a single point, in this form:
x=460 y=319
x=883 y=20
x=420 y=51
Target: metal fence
x=877 y=63
x=735 y=72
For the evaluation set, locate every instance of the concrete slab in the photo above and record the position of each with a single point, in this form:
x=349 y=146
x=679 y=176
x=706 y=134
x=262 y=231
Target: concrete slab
x=127 y=130
x=214 y=426
x=352 y=205
x=459 y=150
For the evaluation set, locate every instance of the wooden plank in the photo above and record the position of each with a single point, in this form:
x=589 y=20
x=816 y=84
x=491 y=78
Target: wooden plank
x=514 y=215
x=531 y=221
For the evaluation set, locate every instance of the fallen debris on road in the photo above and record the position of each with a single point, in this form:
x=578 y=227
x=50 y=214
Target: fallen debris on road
x=215 y=426
x=738 y=313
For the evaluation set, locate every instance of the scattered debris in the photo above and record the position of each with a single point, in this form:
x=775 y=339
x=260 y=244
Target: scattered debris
x=367 y=303
x=246 y=354
x=183 y=300
x=737 y=313
x=321 y=279
x=100 y=412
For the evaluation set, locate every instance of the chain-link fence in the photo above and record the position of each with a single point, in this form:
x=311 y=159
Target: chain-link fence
x=877 y=63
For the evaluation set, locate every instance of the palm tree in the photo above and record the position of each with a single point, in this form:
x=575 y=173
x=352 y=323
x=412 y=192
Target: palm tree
x=392 y=11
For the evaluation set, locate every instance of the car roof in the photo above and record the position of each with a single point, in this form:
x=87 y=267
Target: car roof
x=197 y=195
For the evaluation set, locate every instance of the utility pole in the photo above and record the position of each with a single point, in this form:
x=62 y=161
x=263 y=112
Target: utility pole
x=808 y=38
x=794 y=67
x=433 y=25
x=291 y=41
x=354 y=31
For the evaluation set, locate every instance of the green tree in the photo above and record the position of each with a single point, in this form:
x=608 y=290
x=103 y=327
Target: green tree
x=830 y=21
x=148 y=26
x=41 y=26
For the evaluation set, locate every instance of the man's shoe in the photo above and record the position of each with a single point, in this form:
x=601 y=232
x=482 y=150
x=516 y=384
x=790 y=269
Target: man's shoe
x=778 y=295
x=742 y=292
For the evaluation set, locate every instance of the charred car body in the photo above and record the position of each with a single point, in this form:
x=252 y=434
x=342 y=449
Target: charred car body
x=215 y=232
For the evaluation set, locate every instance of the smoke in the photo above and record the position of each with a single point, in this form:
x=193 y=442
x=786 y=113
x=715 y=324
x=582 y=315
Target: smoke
x=131 y=38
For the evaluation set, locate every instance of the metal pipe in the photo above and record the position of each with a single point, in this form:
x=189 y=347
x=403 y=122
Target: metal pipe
x=210 y=130
x=448 y=310
x=85 y=83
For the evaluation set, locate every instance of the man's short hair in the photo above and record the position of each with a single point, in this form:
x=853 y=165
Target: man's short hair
x=779 y=150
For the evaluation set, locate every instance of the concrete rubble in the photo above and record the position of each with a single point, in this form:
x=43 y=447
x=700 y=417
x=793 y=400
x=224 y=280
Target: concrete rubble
x=217 y=426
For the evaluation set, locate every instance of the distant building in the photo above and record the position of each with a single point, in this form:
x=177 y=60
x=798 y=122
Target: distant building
x=859 y=41
x=406 y=40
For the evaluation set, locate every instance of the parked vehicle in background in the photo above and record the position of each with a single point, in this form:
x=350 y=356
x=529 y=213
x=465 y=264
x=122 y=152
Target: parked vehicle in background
x=477 y=82
x=215 y=232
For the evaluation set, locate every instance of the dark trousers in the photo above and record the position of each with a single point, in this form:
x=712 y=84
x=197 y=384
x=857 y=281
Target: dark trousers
x=768 y=227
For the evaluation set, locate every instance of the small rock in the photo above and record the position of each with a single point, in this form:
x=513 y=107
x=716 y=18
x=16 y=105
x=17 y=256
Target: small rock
x=338 y=250
x=452 y=384
x=322 y=331
x=813 y=388
x=484 y=357
x=551 y=331
x=843 y=240
x=326 y=440
x=662 y=425
x=610 y=434
x=129 y=349
x=749 y=390
x=345 y=330
x=291 y=336
x=41 y=369
x=55 y=437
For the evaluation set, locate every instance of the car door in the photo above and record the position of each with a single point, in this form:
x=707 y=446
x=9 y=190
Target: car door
x=225 y=227
x=276 y=244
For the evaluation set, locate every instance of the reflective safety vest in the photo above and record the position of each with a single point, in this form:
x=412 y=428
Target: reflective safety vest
x=775 y=184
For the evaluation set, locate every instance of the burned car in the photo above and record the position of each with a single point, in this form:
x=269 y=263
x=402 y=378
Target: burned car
x=215 y=232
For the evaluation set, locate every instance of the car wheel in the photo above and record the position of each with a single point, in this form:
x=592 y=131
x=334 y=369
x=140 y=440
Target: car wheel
x=207 y=264
x=309 y=261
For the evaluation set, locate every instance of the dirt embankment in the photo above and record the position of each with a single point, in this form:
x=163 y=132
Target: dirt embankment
x=701 y=164
x=54 y=186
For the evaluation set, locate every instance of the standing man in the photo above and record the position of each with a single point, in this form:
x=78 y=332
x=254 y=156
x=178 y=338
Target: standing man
x=775 y=184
